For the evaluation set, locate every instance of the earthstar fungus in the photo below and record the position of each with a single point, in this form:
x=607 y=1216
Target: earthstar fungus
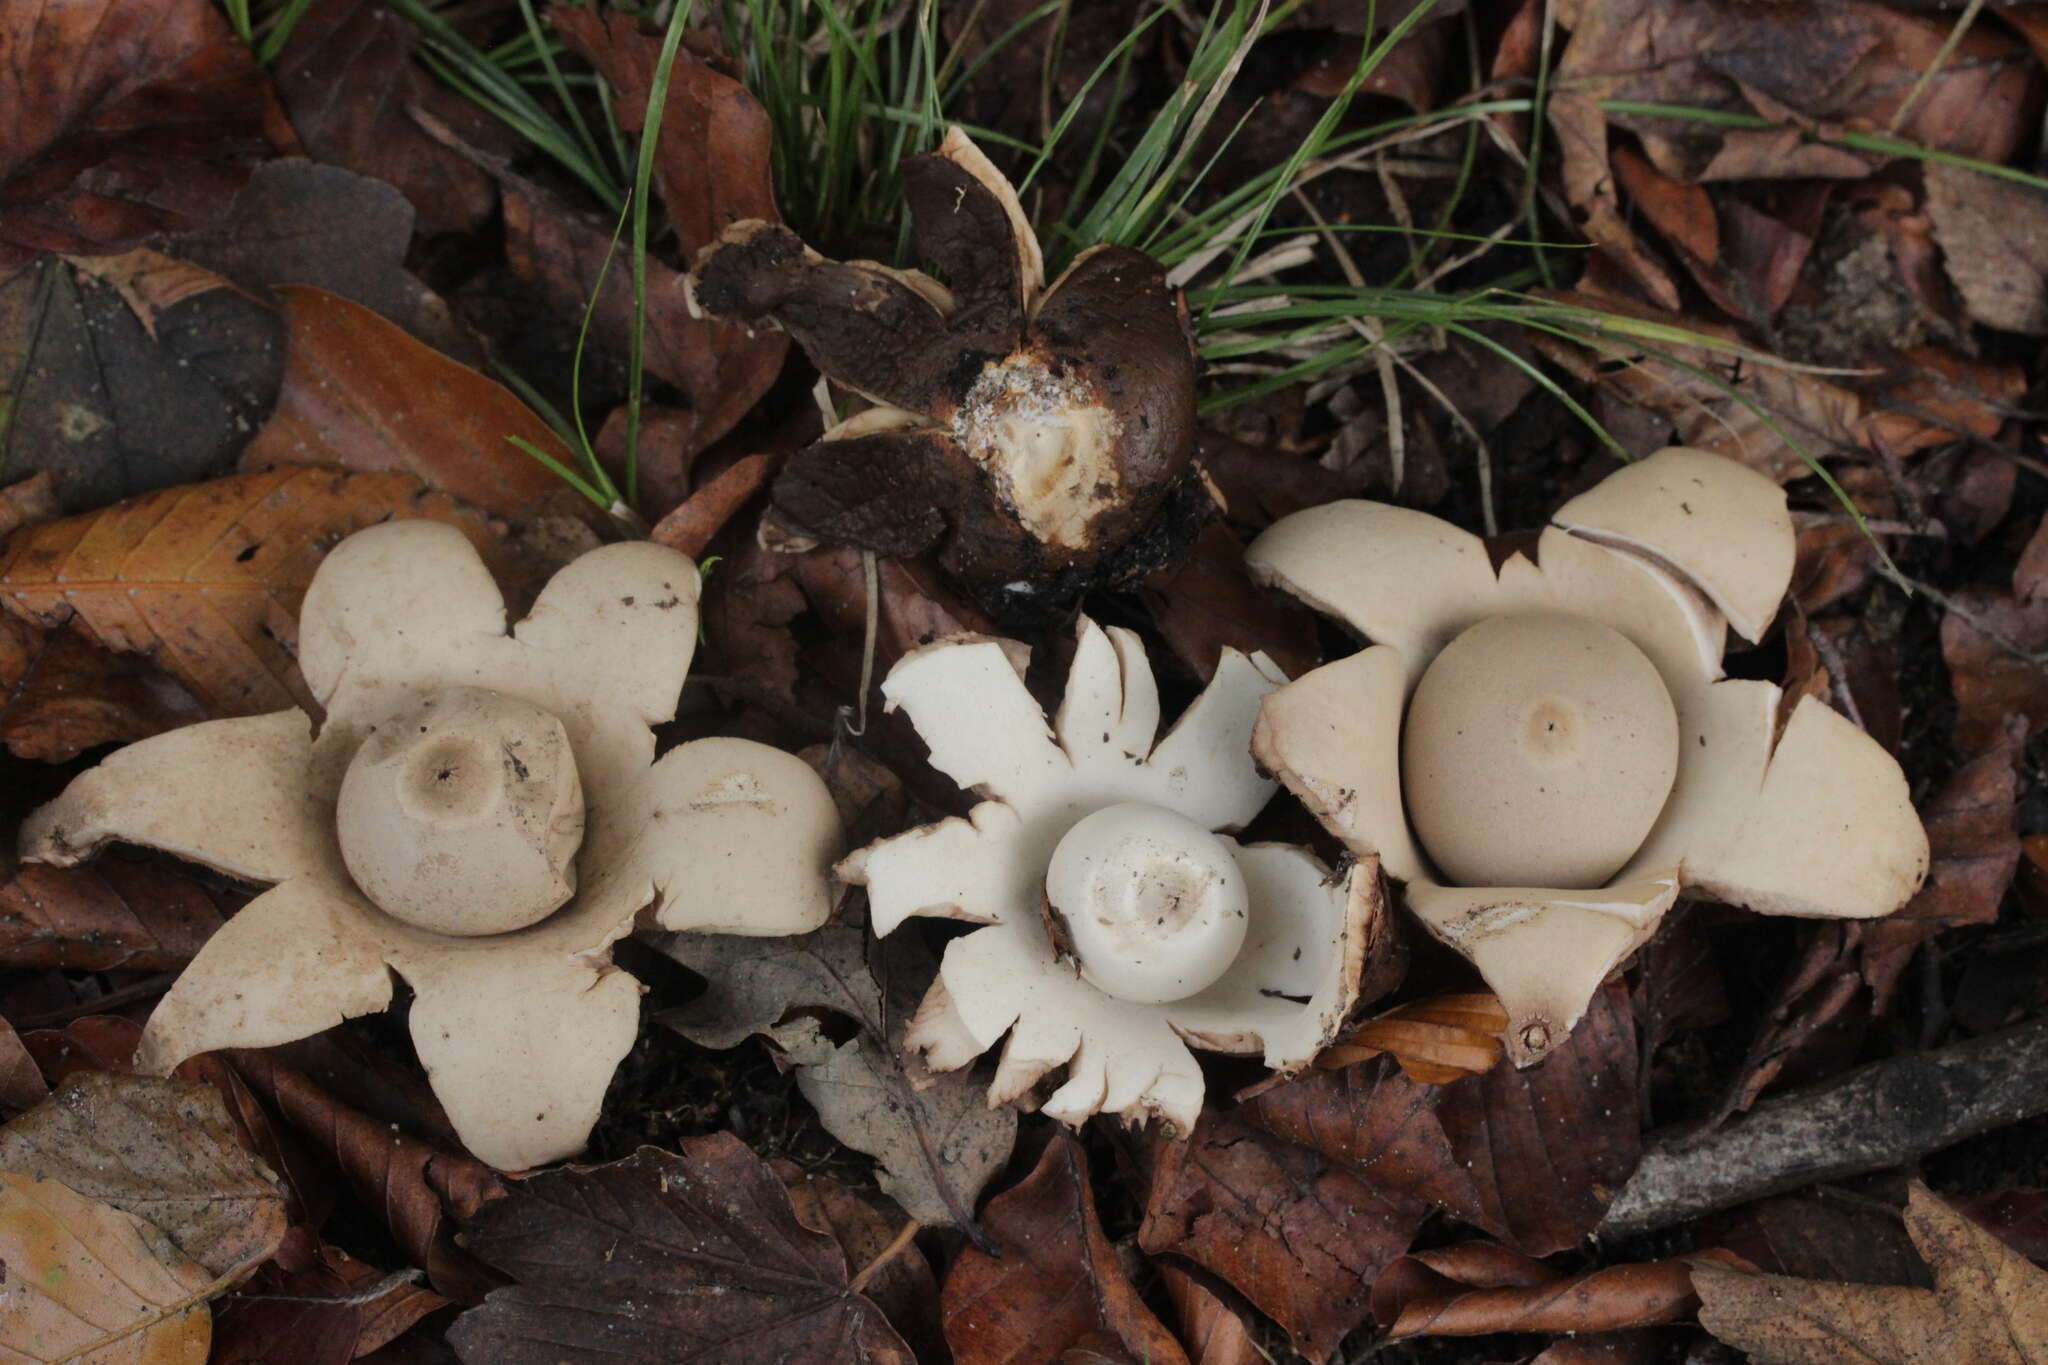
x=1027 y=433
x=1121 y=924
x=1548 y=754
x=480 y=811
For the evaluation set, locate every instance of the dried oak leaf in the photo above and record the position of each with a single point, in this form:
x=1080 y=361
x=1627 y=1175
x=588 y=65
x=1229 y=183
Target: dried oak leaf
x=114 y=915
x=88 y=1282
x=1025 y=432
x=131 y=372
x=126 y=118
x=164 y=1150
x=207 y=578
x=1989 y=1305
x=361 y=393
x=1300 y=1236
x=1056 y=1284
x=938 y=1141
x=663 y=1257
x=1531 y=1156
x=354 y=93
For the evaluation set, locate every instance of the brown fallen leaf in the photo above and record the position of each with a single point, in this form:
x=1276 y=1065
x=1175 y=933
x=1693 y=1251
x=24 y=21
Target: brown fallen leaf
x=132 y=372
x=2018 y=1217
x=1476 y=1289
x=938 y=1141
x=61 y=694
x=348 y=79
x=1994 y=244
x=208 y=578
x=1974 y=839
x=1996 y=649
x=1436 y=1041
x=316 y=1305
x=1299 y=1236
x=657 y=1257
x=1209 y=603
x=1818 y=1237
x=693 y=523
x=163 y=1150
x=880 y=1251
x=113 y=915
x=1055 y=1284
x=360 y=393
x=417 y=1191
x=1531 y=1156
x=89 y=1282
x=21 y=1080
x=129 y=117
x=1213 y=1331
x=299 y=222
x=1989 y=1305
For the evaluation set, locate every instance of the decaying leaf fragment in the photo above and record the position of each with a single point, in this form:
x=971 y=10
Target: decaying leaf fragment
x=1026 y=432
x=1989 y=1305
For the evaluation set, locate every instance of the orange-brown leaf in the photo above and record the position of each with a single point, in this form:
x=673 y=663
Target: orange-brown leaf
x=362 y=393
x=208 y=577
x=1436 y=1041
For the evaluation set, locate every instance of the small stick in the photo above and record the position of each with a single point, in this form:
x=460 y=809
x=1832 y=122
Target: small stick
x=1872 y=1119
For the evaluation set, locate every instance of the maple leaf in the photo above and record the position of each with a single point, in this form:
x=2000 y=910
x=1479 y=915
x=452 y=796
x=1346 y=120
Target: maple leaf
x=1989 y=1305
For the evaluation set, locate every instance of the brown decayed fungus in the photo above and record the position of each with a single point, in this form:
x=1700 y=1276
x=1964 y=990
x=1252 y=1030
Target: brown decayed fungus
x=1027 y=433
x=1548 y=754
x=1120 y=923
x=480 y=811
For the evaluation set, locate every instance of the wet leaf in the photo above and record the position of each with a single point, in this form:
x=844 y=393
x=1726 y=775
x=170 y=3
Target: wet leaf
x=1531 y=1156
x=127 y=117
x=131 y=372
x=1299 y=1236
x=207 y=578
x=348 y=79
x=937 y=1139
x=360 y=393
x=111 y=915
x=1055 y=1284
x=1989 y=1306
x=88 y=1282
x=163 y=1150
x=654 y=1257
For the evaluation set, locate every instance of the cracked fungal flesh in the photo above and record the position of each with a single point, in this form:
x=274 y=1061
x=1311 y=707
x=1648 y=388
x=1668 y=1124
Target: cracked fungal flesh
x=1021 y=430
x=1121 y=923
x=1547 y=753
x=481 y=811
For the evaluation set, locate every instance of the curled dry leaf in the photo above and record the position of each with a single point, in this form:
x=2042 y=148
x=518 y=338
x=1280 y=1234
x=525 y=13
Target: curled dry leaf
x=1436 y=1041
x=208 y=578
x=692 y=524
x=653 y=1257
x=163 y=1150
x=1531 y=1156
x=130 y=117
x=316 y=1305
x=90 y=1282
x=361 y=393
x=1056 y=1283
x=417 y=1190
x=114 y=915
x=348 y=79
x=132 y=372
x=1213 y=1331
x=1300 y=1236
x=937 y=1139
x=1989 y=1305
x=1476 y=1289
